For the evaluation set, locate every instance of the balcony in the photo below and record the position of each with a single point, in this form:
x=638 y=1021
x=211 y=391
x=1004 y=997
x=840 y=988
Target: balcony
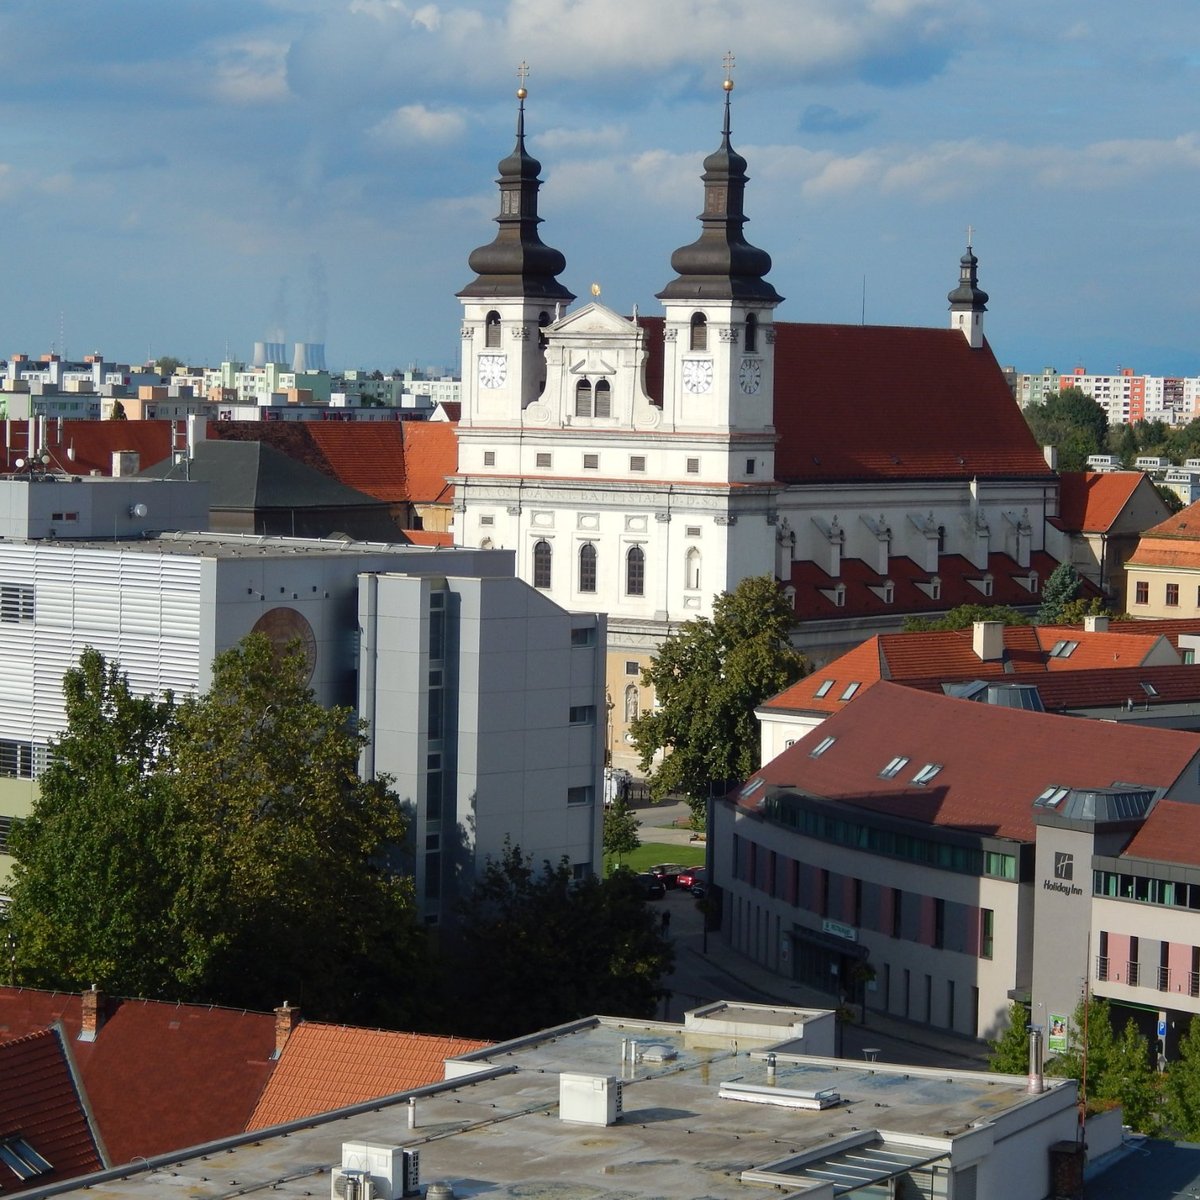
x=1102 y=968
x=1133 y=974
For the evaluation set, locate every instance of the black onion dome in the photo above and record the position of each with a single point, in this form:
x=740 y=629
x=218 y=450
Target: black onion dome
x=518 y=262
x=968 y=291
x=720 y=264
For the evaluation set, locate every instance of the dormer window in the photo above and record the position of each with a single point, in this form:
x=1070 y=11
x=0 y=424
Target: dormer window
x=491 y=330
x=699 y=332
x=751 y=334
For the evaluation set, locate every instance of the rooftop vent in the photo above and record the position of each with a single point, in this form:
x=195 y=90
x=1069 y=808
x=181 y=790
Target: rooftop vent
x=782 y=1097
x=371 y=1172
x=589 y=1099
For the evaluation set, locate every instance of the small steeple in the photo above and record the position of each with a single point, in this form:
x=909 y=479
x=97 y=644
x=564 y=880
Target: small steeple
x=518 y=262
x=968 y=301
x=721 y=264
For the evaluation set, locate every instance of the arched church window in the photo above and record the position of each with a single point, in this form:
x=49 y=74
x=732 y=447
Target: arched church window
x=635 y=571
x=751 y=334
x=583 y=398
x=699 y=338
x=691 y=570
x=941 y=539
x=587 y=567
x=491 y=330
x=603 y=398
x=631 y=704
x=541 y=564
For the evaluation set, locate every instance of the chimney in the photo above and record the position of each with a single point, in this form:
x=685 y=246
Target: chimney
x=1050 y=454
x=286 y=1019
x=988 y=640
x=90 y=1016
x=1037 y=1083
x=1094 y=623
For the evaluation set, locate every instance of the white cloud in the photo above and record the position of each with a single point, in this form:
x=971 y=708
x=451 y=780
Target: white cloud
x=250 y=71
x=605 y=137
x=414 y=123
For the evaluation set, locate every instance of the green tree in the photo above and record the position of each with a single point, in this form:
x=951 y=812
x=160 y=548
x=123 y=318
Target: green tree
x=707 y=679
x=1073 y=422
x=286 y=847
x=221 y=849
x=1183 y=1086
x=965 y=615
x=90 y=896
x=167 y=364
x=1098 y=1052
x=117 y=412
x=621 y=835
x=1073 y=612
x=1133 y=1082
x=537 y=948
x=1170 y=497
x=1060 y=589
x=1010 y=1051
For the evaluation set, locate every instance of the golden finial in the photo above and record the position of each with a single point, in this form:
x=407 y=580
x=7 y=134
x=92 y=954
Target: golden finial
x=728 y=63
x=522 y=75
x=595 y=289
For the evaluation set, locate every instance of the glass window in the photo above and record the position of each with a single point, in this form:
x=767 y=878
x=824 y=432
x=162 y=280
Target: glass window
x=691 y=570
x=541 y=564
x=587 y=567
x=1141 y=592
x=751 y=334
x=1172 y=594
x=582 y=714
x=826 y=684
x=635 y=571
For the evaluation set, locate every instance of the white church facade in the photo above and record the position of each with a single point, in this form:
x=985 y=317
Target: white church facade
x=640 y=465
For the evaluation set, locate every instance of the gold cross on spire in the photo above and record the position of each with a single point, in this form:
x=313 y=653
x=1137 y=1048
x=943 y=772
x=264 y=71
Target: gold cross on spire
x=728 y=63
x=522 y=75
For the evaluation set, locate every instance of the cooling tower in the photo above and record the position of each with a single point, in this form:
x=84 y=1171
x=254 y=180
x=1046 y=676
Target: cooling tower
x=309 y=356
x=260 y=354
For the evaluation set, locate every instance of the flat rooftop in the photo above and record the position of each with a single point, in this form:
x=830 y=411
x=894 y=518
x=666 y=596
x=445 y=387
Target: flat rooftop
x=500 y=1134
x=233 y=545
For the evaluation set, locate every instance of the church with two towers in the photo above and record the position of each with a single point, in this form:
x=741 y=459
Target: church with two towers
x=639 y=465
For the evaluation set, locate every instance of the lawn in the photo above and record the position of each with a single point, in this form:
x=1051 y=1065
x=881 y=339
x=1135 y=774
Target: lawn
x=649 y=853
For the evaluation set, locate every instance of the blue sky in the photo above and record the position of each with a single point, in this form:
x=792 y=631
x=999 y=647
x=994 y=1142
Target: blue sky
x=187 y=176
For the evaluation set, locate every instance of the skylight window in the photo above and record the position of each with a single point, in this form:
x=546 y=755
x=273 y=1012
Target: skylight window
x=22 y=1159
x=1149 y=689
x=821 y=747
x=1051 y=797
x=752 y=787
x=823 y=690
x=851 y=688
x=894 y=767
x=927 y=772
x=1063 y=649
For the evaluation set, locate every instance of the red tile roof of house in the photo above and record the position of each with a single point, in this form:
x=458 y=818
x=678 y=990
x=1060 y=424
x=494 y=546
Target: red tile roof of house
x=994 y=761
x=430 y=455
x=929 y=658
x=152 y=1057
x=865 y=402
x=1184 y=524
x=429 y=537
x=1171 y=833
x=324 y=1067
x=40 y=1103
x=80 y=447
x=1090 y=501
x=865 y=595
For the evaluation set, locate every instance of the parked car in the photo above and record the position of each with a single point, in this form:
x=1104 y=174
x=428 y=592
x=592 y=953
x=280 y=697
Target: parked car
x=692 y=876
x=668 y=872
x=652 y=886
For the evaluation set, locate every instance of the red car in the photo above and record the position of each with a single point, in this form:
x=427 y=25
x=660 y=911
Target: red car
x=691 y=876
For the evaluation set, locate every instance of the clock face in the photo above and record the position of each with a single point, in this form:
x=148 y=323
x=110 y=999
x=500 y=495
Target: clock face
x=750 y=375
x=285 y=626
x=493 y=370
x=697 y=375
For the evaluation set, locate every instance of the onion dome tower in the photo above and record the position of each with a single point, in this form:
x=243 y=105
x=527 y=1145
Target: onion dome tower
x=968 y=301
x=514 y=295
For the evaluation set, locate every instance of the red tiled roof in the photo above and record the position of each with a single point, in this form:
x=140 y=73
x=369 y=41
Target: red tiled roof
x=367 y=455
x=1171 y=833
x=1184 y=524
x=39 y=1102
x=860 y=401
x=1090 y=501
x=429 y=537
x=956 y=572
x=929 y=658
x=995 y=761
x=430 y=454
x=85 y=446
x=1153 y=554
x=152 y=1057
x=324 y=1067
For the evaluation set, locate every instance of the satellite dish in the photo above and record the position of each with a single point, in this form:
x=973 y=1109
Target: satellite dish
x=138 y=510
x=19 y=463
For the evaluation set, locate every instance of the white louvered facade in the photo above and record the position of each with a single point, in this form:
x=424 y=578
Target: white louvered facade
x=140 y=609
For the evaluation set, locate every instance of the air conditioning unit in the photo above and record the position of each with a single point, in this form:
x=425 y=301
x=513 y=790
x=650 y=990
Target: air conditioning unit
x=589 y=1099
x=371 y=1172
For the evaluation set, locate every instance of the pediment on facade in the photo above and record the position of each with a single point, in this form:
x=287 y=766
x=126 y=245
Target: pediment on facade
x=594 y=320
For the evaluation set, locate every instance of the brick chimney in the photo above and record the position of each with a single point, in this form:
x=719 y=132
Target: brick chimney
x=91 y=1015
x=286 y=1019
